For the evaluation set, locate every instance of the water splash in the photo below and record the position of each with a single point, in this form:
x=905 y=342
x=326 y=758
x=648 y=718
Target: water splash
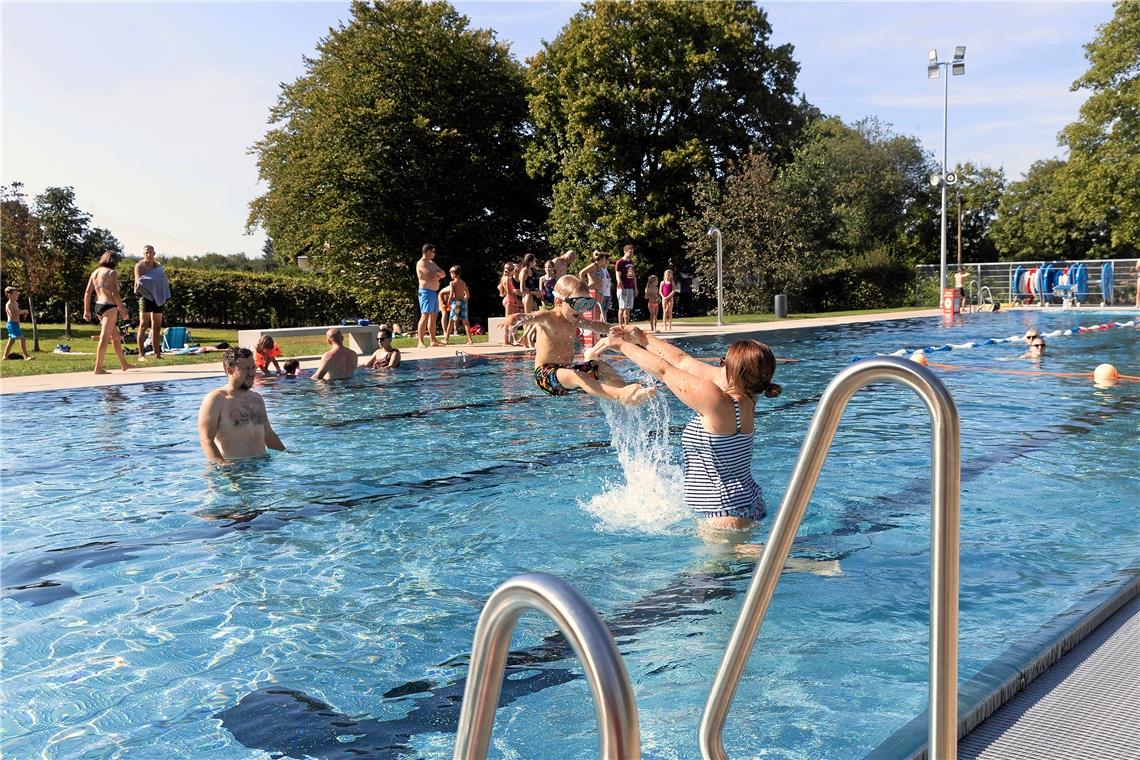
x=650 y=498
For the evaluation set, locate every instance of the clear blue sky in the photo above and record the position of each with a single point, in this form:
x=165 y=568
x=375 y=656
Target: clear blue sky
x=148 y=109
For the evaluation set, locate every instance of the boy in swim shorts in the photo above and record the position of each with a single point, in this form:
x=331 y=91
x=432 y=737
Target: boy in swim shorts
x=459 y=297
x=555 y=371
x=13 y=311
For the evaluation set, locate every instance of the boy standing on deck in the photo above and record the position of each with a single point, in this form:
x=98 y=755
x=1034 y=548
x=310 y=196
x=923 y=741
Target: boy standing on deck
x=14 y=313
x=459 y=297
x=554 y=369
x=444 y=312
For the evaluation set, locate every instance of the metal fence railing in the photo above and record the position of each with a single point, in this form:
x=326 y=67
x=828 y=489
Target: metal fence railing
x=998 y=277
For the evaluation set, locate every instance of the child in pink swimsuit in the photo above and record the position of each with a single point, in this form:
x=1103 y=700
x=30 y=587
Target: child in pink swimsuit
x=668 y=292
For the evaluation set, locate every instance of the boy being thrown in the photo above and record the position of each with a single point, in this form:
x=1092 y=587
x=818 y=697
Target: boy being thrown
x=554 y=369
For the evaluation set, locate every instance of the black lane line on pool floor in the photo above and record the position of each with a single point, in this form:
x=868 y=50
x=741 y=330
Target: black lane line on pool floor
x=288 y=721
x=27 y=580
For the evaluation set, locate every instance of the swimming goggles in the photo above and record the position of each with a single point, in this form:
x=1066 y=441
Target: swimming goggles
x=582 y=304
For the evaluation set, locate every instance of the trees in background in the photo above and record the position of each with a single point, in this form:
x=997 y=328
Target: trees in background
x=1036 y=221
x=978 y=193
x=406 y=127
x=26 y=261
x=633 y=104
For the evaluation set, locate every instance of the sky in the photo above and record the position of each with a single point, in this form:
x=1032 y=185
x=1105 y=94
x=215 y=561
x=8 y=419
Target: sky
x=149 y=109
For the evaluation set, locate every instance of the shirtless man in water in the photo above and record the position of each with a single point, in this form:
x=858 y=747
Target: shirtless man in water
x=232 y=423
x=554 y=369
x=338 y=363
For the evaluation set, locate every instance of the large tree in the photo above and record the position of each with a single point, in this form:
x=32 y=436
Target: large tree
x=1103 y=173
x=406 y=127
x=766 y=248
x=1036 y=220
x=27 y=262
x=978 y=194
x=862 y=189
x=635 y=102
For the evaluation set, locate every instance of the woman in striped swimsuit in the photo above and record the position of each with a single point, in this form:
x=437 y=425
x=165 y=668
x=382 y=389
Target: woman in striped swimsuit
x=718 y=442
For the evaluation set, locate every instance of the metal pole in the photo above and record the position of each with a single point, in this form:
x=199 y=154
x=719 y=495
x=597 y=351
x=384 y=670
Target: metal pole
x=587 y=634
x=945 y=108
x=719 y=282
x=945 y=497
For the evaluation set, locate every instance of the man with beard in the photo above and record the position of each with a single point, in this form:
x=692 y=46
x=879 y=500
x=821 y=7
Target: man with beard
x=232 y=423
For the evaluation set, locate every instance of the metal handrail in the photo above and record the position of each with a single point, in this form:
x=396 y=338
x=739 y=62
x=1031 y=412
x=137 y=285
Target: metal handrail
x=946 y=481
x=587 y=634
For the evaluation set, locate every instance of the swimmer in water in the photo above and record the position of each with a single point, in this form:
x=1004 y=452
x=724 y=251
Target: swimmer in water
x=232 y=422
x=1035 y=344
x=554 y=369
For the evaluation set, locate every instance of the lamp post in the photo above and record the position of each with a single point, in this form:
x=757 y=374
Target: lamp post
x=719 y=276
x=956 y=67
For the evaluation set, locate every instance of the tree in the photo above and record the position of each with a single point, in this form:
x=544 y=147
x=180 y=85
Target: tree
x=407 y=127
x=24 y=256
x=67 y=235
x=1036 y=221
x=979 y=189
x=1103 y=171
x=635 y=103
x=862 y=189
x=766 y=249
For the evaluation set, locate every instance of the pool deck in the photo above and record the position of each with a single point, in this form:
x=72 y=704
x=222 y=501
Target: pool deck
x=151 y=373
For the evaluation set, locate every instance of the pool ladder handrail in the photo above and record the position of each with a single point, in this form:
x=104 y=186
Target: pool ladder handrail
x=587 y=633
x=945 y=482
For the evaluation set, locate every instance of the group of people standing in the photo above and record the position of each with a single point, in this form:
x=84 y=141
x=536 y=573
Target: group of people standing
x=524 y=290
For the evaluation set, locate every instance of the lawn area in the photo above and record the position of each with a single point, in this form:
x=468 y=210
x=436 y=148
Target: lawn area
x=85 y=338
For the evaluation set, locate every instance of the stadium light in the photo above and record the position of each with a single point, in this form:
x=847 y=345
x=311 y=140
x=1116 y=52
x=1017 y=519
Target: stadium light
x=957 y=68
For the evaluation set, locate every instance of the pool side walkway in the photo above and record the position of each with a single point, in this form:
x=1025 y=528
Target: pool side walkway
x=147 y=373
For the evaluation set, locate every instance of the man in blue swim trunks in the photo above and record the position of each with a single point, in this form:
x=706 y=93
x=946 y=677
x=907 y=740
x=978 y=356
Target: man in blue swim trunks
x=429 y=274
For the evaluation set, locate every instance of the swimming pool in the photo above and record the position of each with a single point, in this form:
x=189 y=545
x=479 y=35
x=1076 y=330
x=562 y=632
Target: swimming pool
x=322 y=602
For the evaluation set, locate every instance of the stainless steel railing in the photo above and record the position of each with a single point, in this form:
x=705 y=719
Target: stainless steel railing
x=587 y=634
x=946 y=466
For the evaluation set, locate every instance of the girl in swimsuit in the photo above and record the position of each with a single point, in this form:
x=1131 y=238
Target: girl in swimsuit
x=511 y=302
x=104 y=285
x=668 y=291
x=653 y=300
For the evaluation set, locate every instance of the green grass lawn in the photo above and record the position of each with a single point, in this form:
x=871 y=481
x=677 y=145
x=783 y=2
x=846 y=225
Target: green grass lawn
x=85 y=339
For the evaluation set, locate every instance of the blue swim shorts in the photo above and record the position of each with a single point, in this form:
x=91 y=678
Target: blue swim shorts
x=429 y=301
x=14 y=330
x=459 y=309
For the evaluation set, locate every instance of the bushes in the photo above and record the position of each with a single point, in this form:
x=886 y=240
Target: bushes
x=867 y=286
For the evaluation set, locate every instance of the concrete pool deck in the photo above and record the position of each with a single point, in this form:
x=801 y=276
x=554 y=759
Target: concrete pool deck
x=147 y=373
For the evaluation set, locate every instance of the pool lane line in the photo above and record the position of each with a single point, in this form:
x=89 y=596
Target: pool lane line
x=288 y=709
x=1025 y=372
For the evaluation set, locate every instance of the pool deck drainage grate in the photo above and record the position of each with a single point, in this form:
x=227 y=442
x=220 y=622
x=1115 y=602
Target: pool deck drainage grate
x=1085 y=706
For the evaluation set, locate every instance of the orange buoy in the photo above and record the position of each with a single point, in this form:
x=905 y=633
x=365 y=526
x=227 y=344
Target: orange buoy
x=1105 y=374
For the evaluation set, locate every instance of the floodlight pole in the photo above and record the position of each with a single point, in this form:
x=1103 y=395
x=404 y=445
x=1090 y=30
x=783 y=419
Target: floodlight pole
x=945 y=139
x=719 y=277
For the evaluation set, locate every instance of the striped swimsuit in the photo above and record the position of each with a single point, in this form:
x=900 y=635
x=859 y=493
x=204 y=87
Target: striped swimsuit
x=718 y=472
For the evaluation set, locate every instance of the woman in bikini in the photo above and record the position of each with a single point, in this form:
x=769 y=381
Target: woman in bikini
x=512 y=304
x=387 y=355
x=104 y=284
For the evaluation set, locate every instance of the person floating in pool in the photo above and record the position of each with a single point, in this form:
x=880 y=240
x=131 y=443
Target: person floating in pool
x=717 y=444
x=232 y=422
x=554 y=369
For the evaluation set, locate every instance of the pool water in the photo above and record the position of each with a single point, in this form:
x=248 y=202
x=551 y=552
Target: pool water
x=322 y=602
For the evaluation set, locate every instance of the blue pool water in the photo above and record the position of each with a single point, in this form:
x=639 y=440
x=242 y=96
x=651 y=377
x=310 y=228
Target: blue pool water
x=323 y=601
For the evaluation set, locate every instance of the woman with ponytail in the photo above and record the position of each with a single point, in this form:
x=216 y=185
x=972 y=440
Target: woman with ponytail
x=718 y=442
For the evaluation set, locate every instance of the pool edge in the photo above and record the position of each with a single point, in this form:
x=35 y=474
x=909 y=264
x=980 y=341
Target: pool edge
x=1006 y=676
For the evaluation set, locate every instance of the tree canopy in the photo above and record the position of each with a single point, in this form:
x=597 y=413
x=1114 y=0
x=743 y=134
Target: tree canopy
x=634 y=103
x=406 y=127
x=1103 y=173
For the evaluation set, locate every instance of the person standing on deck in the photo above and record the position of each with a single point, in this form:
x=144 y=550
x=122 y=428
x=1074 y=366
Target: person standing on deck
x=104 y=285
x=429 y=274
x=153 y=290
x=626 y=283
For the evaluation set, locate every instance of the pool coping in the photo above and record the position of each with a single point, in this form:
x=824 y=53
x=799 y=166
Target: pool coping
x=1011 y=672
x=156 y=374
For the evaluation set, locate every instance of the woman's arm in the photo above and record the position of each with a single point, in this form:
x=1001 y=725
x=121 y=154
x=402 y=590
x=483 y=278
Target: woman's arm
x=87 y=296
x=679 y=359
x=702 y=396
